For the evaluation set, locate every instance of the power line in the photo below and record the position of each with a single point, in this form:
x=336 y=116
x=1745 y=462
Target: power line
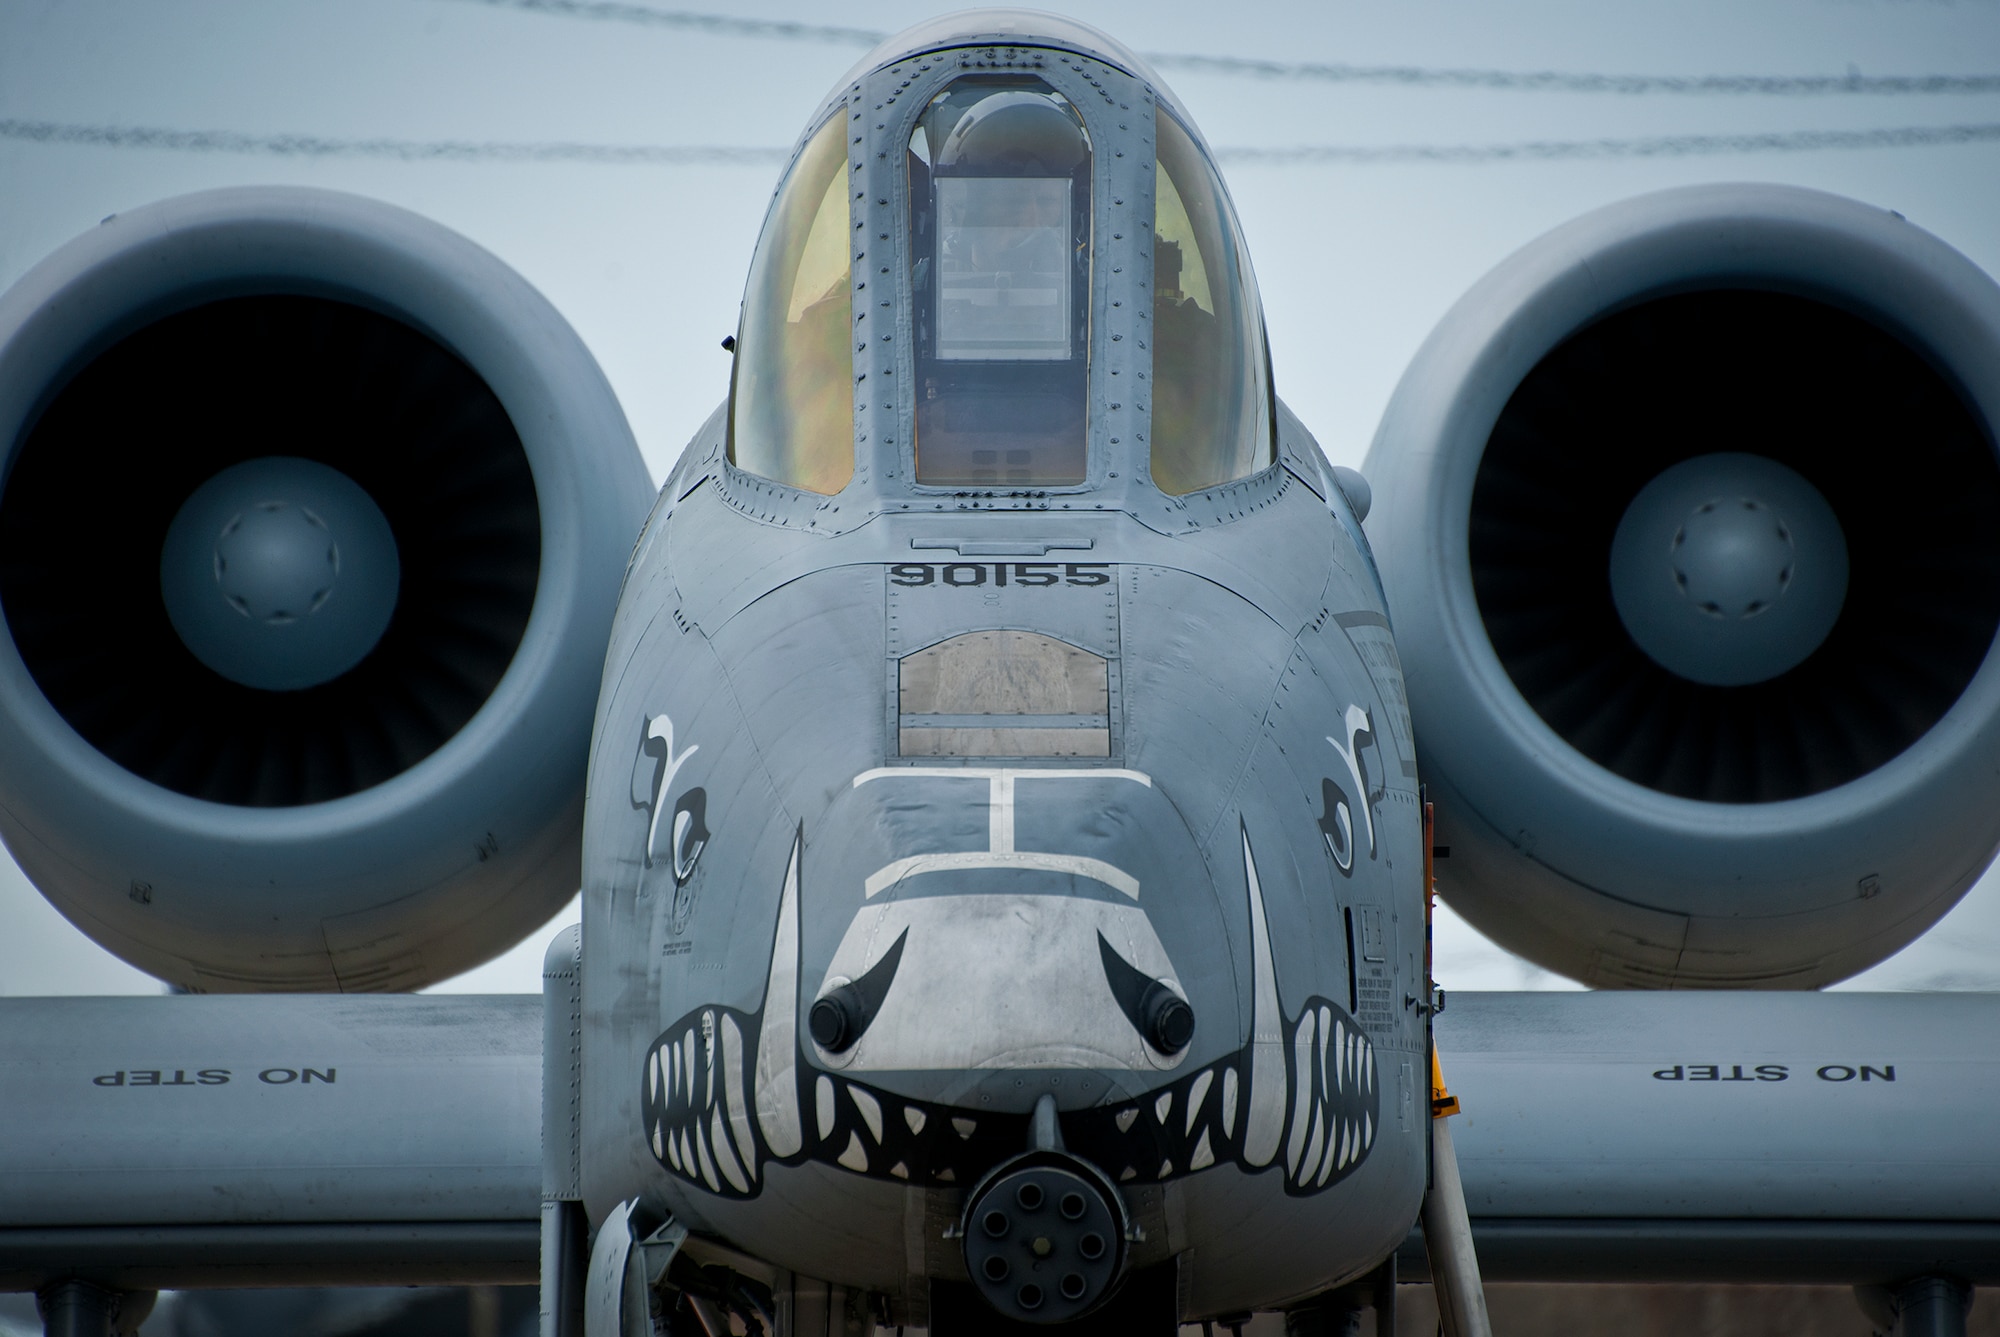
x=1659 y=146
x=405 y=150
x=1554 y=81
x=686 y=155
x=1409 y=76
x=617 y=11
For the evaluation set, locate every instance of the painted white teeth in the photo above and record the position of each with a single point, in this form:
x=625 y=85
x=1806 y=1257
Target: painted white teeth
x=1325 y=1040
x=1264 y=1119
x=1332 y=1073
x=871 y=1111
x=778 y=1113
x=725 y=1157
x=704 y=1106
x=1310 y=1165
x=823 y=1105
x=735 y=1094
x=1302 y=1048
x=1326 y=1161
x=708 y=1060
x=1196 y=1095
x=707 y=1165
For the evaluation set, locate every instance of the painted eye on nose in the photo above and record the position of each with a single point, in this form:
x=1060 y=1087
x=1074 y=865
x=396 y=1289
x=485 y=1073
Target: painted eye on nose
x=1336 y=825
x=690 y=832
x=840 y=1015
x=1159 y=1014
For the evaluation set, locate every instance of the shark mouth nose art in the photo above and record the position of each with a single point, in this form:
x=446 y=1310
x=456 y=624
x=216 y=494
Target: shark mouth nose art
x=842 y=1013
x=726 y=1094
x=1155 y=1009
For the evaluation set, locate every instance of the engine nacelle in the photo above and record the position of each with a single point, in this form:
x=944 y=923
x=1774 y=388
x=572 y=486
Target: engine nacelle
x=1689 y=517
x=313 y=520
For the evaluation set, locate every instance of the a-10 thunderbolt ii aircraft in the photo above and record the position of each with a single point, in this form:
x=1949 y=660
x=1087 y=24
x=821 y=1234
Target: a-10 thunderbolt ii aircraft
x=1004 y=857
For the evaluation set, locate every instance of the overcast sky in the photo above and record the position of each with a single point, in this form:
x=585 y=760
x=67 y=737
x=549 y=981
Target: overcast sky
x=1357 y=259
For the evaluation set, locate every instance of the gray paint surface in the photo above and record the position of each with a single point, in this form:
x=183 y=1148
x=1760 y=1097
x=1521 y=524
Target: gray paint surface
x=1235 y=591
x=306 y=1110
x=1359 y=258
x=1788 y=1106
x=1251 y=691
x=421 y=1160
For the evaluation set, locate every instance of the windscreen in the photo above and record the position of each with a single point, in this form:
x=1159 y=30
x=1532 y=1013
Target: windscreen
x=792 y=401
x=999 y=172
x=1003 y=270
x=1211 y=381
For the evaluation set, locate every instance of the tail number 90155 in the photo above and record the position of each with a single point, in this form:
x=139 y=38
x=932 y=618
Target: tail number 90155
x=1000 y=574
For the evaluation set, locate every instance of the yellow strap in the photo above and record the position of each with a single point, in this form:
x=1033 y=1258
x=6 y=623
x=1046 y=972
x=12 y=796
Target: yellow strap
x=1443 y=1103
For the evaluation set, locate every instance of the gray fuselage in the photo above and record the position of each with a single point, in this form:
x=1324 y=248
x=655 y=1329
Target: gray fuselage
x=916 y=800
x=756 y=672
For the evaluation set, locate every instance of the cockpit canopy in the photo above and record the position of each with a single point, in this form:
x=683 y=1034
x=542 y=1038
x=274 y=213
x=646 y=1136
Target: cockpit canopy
x=791 y=412
x=1211 y=372
x=999 y=218
x=1001 y=298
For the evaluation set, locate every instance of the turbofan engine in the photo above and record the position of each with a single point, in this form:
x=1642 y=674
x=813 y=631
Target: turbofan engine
x=1689 y=518
x=313 y=520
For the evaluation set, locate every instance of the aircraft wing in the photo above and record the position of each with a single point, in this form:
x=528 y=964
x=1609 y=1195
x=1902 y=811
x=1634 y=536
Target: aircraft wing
x=270 y=1141
x=1838 y=1138
x=222 y=1141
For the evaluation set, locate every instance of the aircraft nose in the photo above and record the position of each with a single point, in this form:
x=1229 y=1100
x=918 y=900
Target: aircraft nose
x=1000 y=968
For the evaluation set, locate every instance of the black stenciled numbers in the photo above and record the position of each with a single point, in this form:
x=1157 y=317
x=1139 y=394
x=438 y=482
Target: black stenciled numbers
x=970 y=575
